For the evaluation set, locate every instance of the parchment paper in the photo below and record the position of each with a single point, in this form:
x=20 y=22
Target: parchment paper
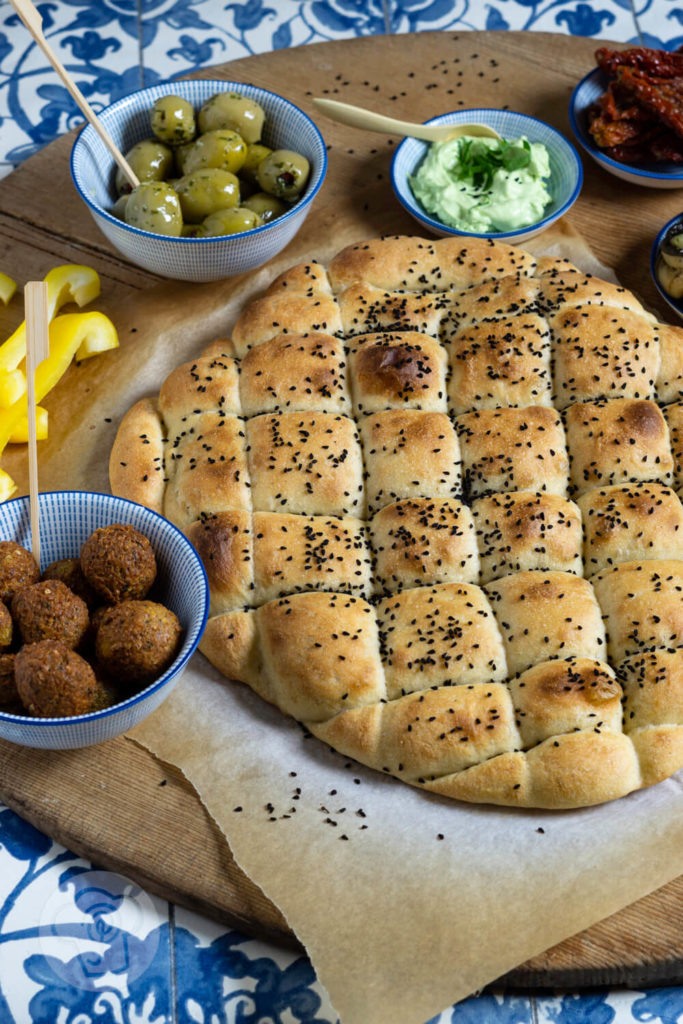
x=405 y=902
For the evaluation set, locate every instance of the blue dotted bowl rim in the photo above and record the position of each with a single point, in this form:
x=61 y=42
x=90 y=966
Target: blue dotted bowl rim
x=174 y=668
x=311 y=192
x=677 y=306
x=411 y=205
x=673 y=172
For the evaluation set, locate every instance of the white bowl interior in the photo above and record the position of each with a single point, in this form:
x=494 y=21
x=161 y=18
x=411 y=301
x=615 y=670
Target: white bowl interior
x=566 y=173
x=67 y=518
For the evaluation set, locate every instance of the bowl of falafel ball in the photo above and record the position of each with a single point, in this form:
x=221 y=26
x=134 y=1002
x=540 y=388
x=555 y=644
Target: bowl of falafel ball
x=97 y=636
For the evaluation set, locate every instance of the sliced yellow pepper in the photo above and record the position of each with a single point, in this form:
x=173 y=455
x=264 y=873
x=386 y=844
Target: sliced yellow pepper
x=68 y=283
x=20 y=432
x=7 y=288
x=69 y=334
x=7 y=486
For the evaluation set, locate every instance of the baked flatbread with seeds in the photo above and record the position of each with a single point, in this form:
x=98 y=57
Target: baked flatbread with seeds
x=436 y=486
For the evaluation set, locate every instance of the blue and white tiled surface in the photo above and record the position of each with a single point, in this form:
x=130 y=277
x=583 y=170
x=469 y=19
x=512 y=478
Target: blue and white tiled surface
x=79 y=945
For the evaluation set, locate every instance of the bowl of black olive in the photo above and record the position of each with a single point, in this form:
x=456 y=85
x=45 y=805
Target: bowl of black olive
x=227 y=173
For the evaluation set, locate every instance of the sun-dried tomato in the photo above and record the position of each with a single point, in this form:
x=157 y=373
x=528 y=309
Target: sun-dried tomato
x=639 y=118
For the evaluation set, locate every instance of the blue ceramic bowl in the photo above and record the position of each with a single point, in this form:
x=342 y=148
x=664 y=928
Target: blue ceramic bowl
x=566 y=173
x=67 y=518
x=675 y=304
x=662 y=174
x=193 y=259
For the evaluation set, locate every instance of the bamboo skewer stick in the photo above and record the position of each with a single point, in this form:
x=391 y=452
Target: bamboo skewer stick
x=34 y=23
x=37 y=349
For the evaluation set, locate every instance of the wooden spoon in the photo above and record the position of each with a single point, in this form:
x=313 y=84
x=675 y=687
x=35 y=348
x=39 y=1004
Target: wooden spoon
x=357 y=117
x=34 y=23
x=37 y=349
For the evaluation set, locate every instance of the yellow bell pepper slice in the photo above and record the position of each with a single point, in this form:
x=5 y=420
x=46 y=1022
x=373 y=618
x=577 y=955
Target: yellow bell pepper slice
x=7 y=486
x=73 y=332
x=20 y=433
x=7 y=288
x=68 y=283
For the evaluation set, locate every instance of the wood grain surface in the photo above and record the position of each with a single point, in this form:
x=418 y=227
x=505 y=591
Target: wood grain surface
x=115 y=804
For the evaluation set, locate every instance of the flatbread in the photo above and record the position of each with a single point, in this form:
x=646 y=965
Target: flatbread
x=436 y=486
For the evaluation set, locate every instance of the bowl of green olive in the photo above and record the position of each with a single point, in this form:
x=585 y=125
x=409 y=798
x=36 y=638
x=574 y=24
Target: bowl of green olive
x=227 y=175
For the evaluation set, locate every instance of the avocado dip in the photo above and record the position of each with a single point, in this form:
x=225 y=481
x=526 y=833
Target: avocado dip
x=484 y=185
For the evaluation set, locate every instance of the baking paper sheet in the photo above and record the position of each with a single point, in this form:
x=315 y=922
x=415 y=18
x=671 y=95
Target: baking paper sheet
x=405 y=902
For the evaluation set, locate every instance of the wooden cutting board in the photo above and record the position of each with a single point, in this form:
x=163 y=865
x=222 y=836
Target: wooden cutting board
x=114 y=804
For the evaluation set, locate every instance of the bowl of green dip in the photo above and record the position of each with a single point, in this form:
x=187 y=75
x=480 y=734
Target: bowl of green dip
x=509 y=190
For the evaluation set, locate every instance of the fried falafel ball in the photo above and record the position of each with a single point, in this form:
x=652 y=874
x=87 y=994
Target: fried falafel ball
x=55 y=682
x=119 y=563
x=50 y=611
x=17 y=569
x=6 y=627
x=8 y=688
x=137 y=640
x=69 y=571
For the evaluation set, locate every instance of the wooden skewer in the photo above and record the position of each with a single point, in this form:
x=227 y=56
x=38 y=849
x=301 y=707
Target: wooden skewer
x=34 y=23
x=37 y=349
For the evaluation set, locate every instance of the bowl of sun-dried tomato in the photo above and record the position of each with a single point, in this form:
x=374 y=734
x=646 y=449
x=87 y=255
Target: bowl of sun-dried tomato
x=627 y=113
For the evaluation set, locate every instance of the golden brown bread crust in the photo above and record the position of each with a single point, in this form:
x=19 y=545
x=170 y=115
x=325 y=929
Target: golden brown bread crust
x=601 y=352
x=618 y=441
x=527 y=530
x=293 y=373
x=397 y=370
x=626 y=522
x=500 y=362
x=375 y=470
x=409 y=453
x=545 y=615
x=136 y=461
x=421 y=541
x=513 y=450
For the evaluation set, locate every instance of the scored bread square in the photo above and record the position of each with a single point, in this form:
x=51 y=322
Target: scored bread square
x=624 y=522
x=513 y=450
x=500 y=362
x=432 y=636
x=308 y=463
x=436 y=486
x=397 y=370
x=409 y=454
x=295 y=372
x=621 y=440
x=600 y=352
x=527 y=530
x=421 y=541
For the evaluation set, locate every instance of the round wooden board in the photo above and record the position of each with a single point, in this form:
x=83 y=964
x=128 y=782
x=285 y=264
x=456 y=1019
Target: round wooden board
x=115 y=804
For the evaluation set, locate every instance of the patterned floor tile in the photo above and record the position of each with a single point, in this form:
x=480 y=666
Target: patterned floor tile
x=97 y=44
x=658 y=1006
x=233 y=977
x=73 y=937
x=606 y=19
x=180 y=36
x=660 y=23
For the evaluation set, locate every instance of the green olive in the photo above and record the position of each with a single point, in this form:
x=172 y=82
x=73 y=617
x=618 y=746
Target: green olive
x=119 y=207
x=232 y=110
x=203 y=192
x=283 y=173
x=228 y=222
x=150 y=160
x=255 y=154
x=267 y=207
x=173 y=120
x=219 y=148
x=155 y=206
x=180 y=156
